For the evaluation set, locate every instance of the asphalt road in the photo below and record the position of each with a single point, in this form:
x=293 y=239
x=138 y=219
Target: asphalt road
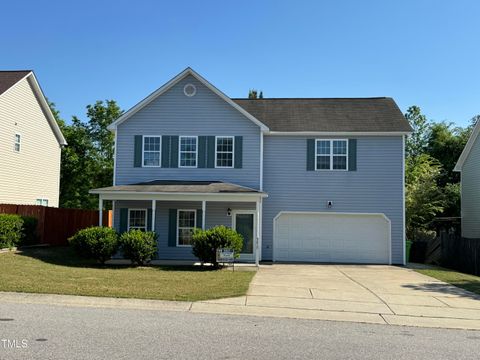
x=59 y=332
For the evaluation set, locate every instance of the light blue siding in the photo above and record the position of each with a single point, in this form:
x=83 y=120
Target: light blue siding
x=216 y=214
x=376 y=186
x=471 y=193
x=204 y=114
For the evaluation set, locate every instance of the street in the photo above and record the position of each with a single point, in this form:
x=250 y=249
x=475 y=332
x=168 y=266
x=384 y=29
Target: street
x=36 y=331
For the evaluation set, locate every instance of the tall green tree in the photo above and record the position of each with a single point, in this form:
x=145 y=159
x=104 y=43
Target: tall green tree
x=255 y=94
x=87 y=160
x=417 y=142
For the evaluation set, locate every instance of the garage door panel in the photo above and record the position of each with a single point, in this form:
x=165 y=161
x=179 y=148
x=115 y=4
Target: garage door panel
x=320 y=237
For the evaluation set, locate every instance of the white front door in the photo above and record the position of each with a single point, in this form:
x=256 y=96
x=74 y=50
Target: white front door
x=244 y=222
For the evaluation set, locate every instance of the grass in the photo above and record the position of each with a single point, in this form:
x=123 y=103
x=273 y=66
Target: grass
x=461 y=280
x=59 y=271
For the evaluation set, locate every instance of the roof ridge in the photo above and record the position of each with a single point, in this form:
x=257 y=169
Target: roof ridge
x=24 y=70
x=318 y=98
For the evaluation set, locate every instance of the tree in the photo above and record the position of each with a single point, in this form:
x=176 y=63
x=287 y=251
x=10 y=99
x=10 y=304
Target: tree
x=87 y=160
x=424 y=199
x=254 y=94
x=418 y=140
x=445 y=143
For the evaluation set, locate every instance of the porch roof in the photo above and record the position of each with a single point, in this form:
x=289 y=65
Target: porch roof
x=184 y=188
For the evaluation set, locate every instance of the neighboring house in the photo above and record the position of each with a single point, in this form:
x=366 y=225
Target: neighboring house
x=318 y=180
x=30 y=142
x=469 y=166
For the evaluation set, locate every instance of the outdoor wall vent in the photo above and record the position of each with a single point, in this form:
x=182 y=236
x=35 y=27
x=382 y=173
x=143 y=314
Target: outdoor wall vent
x=189 y=90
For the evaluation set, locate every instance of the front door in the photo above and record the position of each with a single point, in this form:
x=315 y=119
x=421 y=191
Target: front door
x=244 y=224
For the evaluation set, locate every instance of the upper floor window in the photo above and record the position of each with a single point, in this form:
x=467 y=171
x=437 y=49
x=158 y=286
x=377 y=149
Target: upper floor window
x=331 y=154
x=188 y=151
x=18 y=142
x=137 y=219
x=224 y=151
x=151 y=150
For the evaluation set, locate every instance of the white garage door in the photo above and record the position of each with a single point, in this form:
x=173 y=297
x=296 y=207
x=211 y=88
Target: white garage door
x=332 y=237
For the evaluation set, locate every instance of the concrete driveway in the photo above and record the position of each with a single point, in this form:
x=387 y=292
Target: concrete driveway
x=370 y=293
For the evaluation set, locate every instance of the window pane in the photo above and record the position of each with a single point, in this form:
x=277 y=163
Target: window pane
x=225 y=152
x=323 y=162
x=339 y=147
x=137 y=219
x=188 y=151
x=151 y=158
x=151 y=151
x=339 y=162
x=185 y=236
x=323 y=147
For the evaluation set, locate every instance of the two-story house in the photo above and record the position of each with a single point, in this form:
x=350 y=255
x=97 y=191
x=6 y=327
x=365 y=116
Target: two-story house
x=30 y=142
x=317 y=180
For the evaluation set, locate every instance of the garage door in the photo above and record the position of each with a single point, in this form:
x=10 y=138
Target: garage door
x=332 y=237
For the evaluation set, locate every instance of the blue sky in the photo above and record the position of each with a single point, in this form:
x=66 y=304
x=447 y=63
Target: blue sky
x=419 y=52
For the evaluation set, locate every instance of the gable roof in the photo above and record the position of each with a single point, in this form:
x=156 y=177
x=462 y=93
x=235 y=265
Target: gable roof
x=8 y=79
x=188 y=71
x=335 y=115
x=468 y=147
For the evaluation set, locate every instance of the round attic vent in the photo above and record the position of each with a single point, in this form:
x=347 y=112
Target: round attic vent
x=189 y=90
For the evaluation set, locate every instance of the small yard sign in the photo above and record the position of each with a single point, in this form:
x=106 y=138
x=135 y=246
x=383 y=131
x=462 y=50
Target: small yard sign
x=225 y=255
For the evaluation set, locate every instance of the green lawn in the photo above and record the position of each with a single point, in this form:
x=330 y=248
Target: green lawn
x=464 y=281
x=59 y=271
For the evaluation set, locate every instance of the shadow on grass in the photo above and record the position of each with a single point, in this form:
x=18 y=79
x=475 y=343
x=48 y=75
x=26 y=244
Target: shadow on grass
x=66 y=256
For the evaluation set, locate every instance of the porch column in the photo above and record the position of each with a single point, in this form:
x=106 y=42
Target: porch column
x=154 y=208
x=100 y=210
x=257 y=235
x=204 y=213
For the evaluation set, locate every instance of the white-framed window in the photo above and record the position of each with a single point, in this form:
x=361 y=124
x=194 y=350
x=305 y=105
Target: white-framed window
x=41 y=201
x=224 y=151
x=17 y=145
x=137 y=219
x=331 y=154
x=152 y=146
x=188 y=151
x=186 y=222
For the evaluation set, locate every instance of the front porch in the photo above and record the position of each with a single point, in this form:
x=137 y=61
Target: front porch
x=173 y=208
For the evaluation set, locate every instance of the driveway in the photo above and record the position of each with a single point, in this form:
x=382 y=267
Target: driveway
x=359 y=293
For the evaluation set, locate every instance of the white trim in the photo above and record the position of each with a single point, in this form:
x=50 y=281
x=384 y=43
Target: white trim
x=214 y=197
x=159 y=151
x=403 y=203
x=233 y=151
x=331 y=154
x=261 y=161
x=137 y=209
x=185 y=90
x=115 y=159
x=171 y=83
x=180 y=151
x=246 y=256
x=337 y=133
x=100 y=211
x=334 y=213
x=19 y=143
x=18 y=82
x=178 y=227
x=468 y=147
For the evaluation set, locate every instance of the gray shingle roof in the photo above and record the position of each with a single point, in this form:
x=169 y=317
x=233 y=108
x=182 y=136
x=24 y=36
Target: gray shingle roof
x=10 y=78
x=180 y=186
x=328 y=114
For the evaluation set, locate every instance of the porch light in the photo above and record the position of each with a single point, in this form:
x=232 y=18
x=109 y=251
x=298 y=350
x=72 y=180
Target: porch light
x=229 y=212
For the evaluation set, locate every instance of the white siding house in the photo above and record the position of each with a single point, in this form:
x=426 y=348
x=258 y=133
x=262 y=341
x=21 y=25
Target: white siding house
x=30 y=143
x=469 y=166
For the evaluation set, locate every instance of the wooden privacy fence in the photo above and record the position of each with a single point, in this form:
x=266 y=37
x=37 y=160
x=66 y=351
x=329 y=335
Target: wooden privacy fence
x=460 y=253
x=56 y=225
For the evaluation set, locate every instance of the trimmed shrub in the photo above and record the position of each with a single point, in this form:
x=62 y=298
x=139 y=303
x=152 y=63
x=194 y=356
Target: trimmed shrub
x=99 y=243
x=206 y=242
x=11 y=227
x=29 y=230
x=138 y=246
